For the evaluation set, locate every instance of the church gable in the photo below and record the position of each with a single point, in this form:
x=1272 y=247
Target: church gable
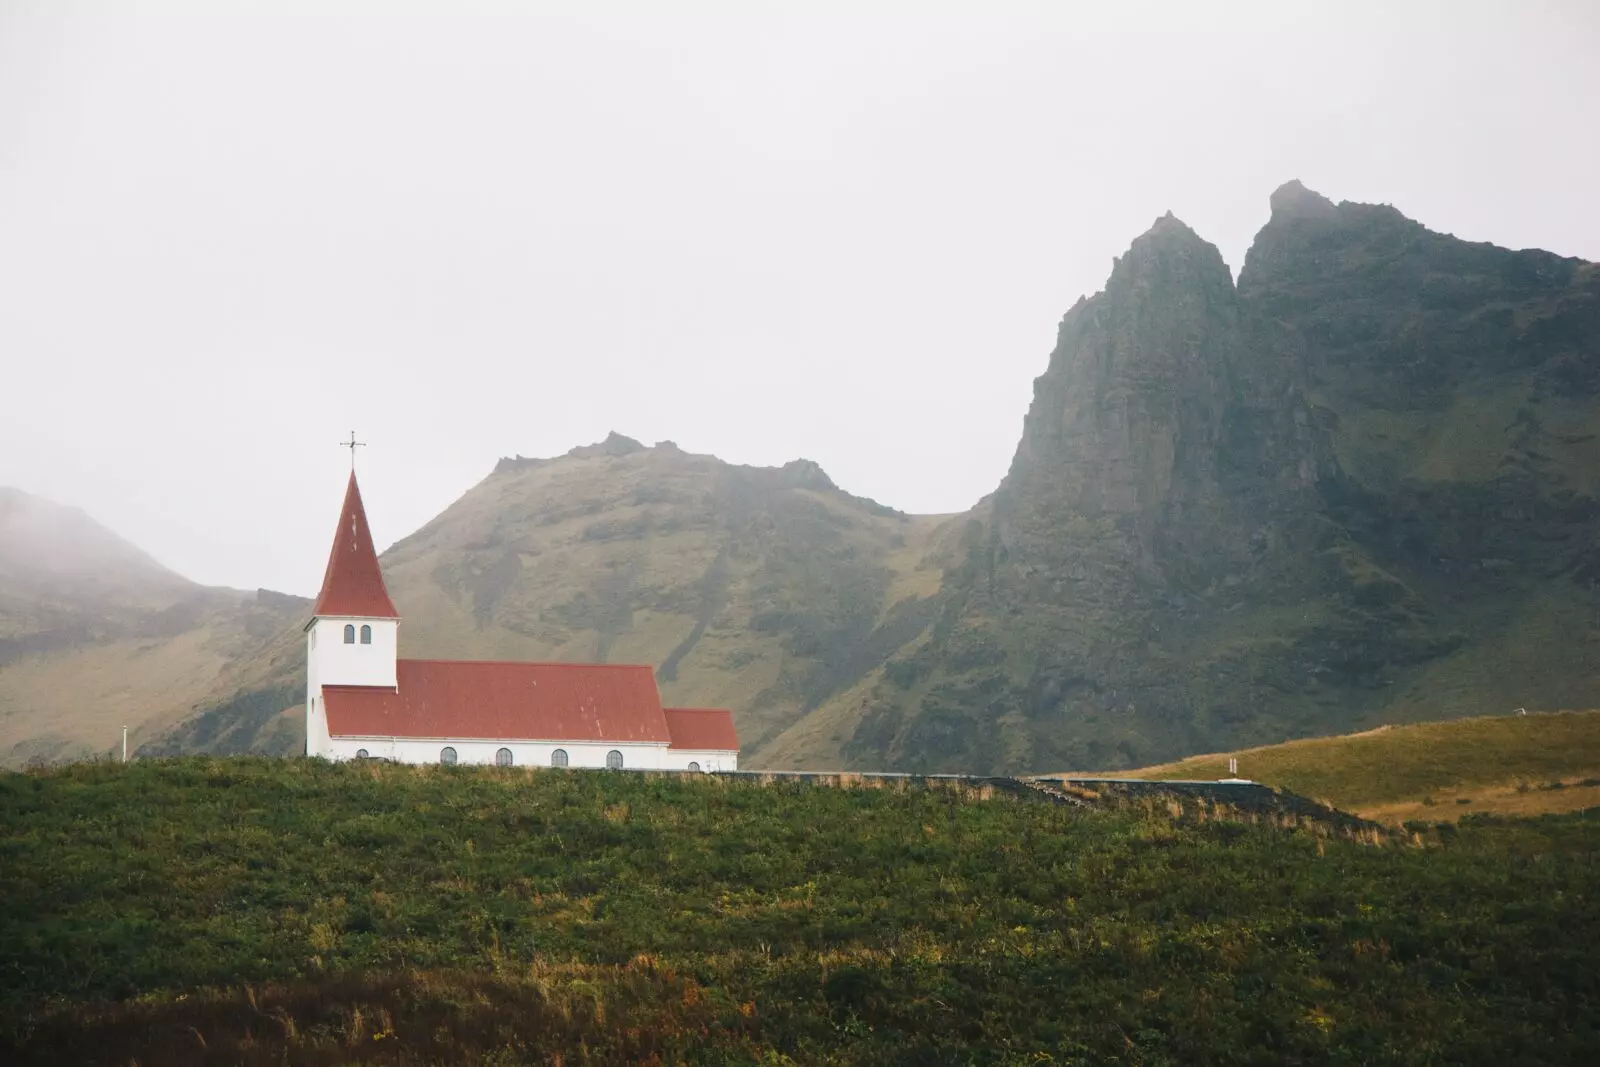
x=702 y=729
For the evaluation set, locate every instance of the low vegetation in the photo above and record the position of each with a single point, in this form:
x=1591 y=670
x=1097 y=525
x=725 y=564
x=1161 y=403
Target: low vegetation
x=227 y=911
x=1511 y=765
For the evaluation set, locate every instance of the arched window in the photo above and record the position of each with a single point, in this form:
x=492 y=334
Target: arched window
x=502 y=758
x=349 y=633
x=558 y=758
x=614 y=760
x=366 y=635
x=448 y=756
x=693 y=766
x=361 y=753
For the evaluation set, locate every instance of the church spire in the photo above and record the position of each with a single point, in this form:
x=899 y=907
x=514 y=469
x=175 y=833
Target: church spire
x=353 y=583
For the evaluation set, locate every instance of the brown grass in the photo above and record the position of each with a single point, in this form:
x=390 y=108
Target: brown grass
x=1386 y=774
x=641 y=1012
x=1515 y=799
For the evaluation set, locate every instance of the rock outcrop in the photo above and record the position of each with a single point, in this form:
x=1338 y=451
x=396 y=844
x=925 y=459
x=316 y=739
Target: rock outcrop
x=1314 y=501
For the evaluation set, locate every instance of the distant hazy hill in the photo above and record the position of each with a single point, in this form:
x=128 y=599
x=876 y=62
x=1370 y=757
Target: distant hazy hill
x=95 y=635
x=1512 y=764
x=60 y=554
x=1357 y=487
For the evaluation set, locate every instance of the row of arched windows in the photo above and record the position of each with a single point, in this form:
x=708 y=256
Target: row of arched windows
x=558 y=758
x=350 y=634
x=503 y=758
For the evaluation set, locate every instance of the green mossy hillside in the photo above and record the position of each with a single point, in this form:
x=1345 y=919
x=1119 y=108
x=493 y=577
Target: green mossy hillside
x=257 y=911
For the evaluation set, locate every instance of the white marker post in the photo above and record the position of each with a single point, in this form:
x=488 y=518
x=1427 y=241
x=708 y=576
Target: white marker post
x=124 y=744
x=1233 y=768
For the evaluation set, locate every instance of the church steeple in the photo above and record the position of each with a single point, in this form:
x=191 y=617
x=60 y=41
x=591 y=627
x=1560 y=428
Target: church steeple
x=353 y=585
x=353 y=639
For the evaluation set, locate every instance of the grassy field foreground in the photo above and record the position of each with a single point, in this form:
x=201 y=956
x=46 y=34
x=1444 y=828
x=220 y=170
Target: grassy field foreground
x=257 y=911
x=1505 y=765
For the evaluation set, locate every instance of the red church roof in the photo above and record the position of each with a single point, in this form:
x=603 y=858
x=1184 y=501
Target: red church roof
x=353 y=582
x=504 y=701
x=704 y=728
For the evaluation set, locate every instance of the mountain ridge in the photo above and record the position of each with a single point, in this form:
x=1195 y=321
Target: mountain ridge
x=1357 y=485
x=1236 y=387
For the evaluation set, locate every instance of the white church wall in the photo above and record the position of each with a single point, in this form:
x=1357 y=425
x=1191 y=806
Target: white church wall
x=316 y=714
x=678 y=759
x=318 y=743
x=332 y=662
x=528 y=753
x=523 y=753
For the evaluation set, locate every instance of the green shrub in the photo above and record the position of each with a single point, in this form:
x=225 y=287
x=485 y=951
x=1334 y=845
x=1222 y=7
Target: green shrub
x=293 y=910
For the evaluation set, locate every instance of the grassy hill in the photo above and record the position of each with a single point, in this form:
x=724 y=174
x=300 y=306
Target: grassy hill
x=252 y=911
x=95 y=635
x=768 y=590
x=1513 y=765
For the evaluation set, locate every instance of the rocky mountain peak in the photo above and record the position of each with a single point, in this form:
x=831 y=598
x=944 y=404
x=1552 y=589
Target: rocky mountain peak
x=1302 y=218
x=805 y=474
x=1126 y=421
x=615 y=444
x=1169 y=253
x=1293 y=199
x=1167 y=232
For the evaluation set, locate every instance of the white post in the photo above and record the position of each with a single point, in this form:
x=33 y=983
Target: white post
x=1233 y=768
x=124 y=744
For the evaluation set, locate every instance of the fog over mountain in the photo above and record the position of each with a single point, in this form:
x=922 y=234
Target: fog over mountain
x=1356 y=487
x=233 y=231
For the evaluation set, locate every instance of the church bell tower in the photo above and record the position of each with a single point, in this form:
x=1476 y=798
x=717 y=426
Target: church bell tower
x=353 y=636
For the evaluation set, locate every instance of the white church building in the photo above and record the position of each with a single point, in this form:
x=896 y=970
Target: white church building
x=364 y=701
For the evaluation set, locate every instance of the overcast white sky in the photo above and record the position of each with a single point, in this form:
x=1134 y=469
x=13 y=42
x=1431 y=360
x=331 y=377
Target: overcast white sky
x=231 y=232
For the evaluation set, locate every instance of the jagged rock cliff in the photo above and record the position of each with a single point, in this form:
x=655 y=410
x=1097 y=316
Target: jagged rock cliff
x=1318 y=500
x=1461 y=383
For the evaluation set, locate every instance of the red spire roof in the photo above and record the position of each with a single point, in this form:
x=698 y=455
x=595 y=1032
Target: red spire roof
x=353 y=584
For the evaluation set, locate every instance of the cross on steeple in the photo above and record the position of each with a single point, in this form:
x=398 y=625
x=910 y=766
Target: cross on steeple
x=352 y=445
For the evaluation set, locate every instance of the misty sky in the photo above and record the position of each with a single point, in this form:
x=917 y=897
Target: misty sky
x=231 y=232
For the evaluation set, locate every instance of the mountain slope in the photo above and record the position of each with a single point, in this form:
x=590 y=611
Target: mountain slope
x=767 y=590
x=1509 y=764
x=1461 y=384
x=763 y=589
x=58 y=553
x=95 y=635
x=1359 y=487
